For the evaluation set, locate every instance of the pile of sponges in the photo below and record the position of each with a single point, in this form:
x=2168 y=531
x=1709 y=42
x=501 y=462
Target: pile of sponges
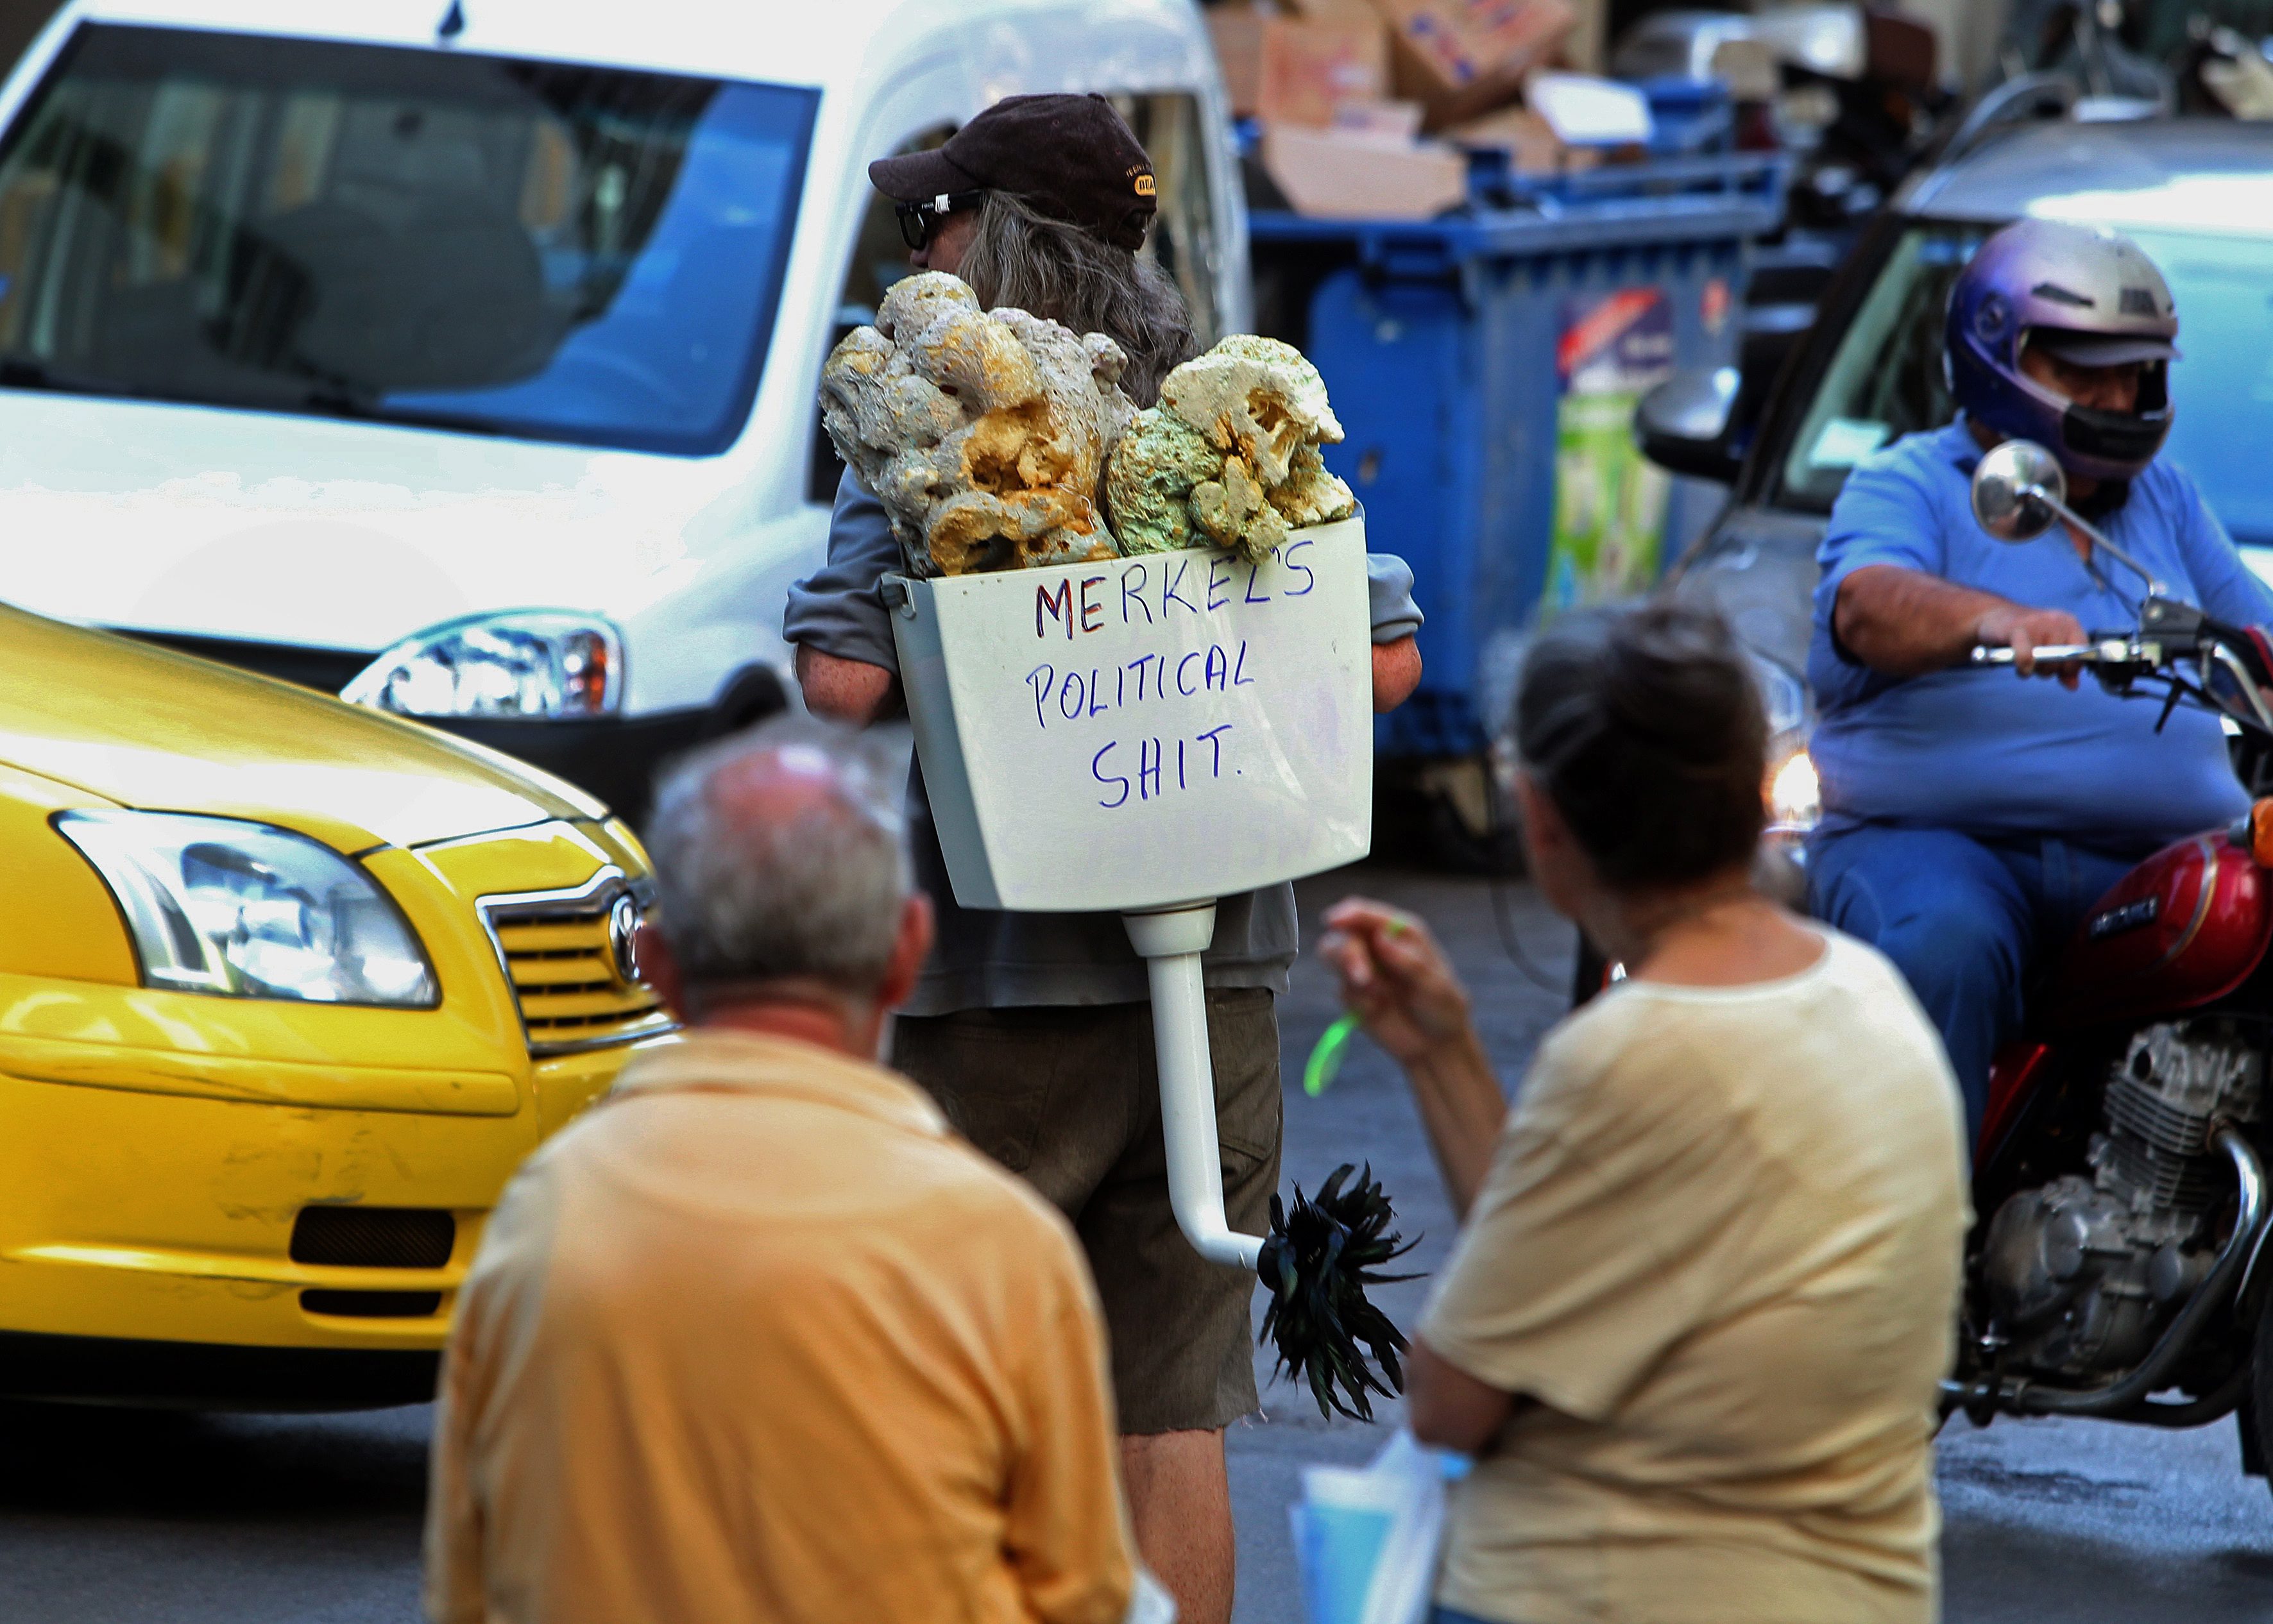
x=982 y=433
x=997 y=439
x=1230 y=456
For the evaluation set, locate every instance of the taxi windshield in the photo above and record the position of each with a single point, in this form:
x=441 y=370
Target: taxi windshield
x=1884 y=379
x=539 y=249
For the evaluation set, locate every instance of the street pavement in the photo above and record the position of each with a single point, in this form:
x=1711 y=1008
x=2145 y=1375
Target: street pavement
x=111 y=1517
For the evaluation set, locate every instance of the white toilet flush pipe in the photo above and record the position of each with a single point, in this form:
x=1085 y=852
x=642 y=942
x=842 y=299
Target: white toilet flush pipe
x=1171 y=941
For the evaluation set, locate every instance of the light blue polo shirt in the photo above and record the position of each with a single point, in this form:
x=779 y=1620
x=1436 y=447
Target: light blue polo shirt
x=1988 y=752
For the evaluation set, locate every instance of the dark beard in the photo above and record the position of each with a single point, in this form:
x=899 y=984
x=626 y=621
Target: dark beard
x=2111 y=494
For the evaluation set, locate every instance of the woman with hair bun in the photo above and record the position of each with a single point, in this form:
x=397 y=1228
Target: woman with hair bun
x=1707 y=1273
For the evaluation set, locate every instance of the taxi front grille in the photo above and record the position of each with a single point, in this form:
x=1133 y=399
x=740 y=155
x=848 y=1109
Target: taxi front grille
x=567 y=954
x=374 y=1237
x=373 y=1305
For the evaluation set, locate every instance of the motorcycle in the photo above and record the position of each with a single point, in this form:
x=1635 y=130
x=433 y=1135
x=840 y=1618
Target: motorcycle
x=2117 y=1266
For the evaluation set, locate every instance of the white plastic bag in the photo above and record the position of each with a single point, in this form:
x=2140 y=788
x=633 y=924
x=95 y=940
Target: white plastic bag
x=1150 y=1604
x=1366 y=1538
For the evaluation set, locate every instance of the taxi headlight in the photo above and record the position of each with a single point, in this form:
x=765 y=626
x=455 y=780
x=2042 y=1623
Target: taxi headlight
x=219 y=905
x=523 y=662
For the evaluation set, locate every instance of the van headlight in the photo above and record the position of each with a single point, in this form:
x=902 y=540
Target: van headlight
x=523 y=663
x=243 y=910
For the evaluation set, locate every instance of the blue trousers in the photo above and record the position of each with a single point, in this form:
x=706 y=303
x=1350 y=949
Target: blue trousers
x=1968 y=922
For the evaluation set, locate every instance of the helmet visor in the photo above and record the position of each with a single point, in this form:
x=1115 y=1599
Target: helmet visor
x=2100 y=349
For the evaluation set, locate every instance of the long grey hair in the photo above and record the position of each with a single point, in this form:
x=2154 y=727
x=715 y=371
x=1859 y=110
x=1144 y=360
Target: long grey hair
x=1023 y=258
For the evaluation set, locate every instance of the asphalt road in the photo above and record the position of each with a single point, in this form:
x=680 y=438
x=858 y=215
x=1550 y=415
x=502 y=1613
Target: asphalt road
x=120 y=1517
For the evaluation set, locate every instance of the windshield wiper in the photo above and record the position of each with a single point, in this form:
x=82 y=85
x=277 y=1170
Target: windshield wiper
x=332 y=401
x=329 y=400
x=30 y=373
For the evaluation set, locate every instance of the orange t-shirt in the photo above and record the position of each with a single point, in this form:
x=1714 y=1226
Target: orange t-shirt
x=758 y=1339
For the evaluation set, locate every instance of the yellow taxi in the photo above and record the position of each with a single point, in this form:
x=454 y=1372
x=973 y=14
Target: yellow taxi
x=288 y=987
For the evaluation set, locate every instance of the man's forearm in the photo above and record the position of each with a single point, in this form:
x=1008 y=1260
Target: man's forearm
x=1396 y=673
x=1906 y=623
x=848 y=691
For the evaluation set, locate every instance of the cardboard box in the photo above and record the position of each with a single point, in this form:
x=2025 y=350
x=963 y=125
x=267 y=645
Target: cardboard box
x=1751 y=69
x=1345 y=175
x=1237 y=30
x=1461 y=58
x=1586 y=47
x=1398 y=121
x=1530 y=142
x=1298 y=69
x=1311 y=67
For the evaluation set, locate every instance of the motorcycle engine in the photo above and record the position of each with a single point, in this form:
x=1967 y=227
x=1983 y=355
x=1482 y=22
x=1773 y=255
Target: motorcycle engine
x=2080 y=1272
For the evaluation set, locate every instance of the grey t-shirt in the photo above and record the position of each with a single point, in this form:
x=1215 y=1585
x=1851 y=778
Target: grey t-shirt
x=988 y=959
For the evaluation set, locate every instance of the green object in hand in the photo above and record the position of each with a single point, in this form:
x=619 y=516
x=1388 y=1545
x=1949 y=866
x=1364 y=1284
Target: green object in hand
x=1325 y=1062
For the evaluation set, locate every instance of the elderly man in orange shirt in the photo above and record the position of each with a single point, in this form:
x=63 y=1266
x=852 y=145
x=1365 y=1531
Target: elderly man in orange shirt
x=757 y=1339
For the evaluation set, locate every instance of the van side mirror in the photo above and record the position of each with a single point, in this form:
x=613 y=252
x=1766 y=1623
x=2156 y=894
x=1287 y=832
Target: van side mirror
x=1683 y=425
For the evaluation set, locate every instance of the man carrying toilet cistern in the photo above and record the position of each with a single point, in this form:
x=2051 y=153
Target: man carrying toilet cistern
x=1031 y=1030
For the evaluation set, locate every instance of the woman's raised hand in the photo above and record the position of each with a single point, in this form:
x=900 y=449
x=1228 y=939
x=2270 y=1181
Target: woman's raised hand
x=1395 y=978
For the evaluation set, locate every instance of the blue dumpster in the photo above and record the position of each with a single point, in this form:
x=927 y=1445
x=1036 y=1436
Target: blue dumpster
x=1485 y=367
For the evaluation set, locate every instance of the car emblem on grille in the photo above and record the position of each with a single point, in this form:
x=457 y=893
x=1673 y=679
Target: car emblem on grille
x=623 y=936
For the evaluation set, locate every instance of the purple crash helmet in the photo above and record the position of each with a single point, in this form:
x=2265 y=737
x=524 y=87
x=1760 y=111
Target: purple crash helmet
x=2089 y=297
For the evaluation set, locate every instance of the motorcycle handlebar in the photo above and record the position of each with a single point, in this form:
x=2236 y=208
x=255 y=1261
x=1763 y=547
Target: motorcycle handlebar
x=2051 y=653
x=2174 y=640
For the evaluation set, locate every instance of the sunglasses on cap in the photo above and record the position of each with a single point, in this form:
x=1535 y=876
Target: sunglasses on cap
x=918 y=221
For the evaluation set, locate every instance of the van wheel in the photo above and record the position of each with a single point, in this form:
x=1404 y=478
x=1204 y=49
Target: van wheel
x=755 y=694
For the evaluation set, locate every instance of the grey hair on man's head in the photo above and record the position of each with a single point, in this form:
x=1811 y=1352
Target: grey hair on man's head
x=781 y=854
x=1021 y=259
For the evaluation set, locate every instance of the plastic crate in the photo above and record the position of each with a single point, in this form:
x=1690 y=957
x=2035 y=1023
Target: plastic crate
x=1486 y=361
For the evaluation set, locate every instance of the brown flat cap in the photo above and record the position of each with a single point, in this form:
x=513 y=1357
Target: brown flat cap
x=1073 y=157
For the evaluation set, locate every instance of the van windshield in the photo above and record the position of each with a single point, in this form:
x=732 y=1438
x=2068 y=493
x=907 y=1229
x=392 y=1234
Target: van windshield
x=529 y=248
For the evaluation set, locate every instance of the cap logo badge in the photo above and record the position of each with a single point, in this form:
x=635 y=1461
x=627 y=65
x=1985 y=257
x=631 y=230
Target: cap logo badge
x=1146 y=187
x=2137 y=302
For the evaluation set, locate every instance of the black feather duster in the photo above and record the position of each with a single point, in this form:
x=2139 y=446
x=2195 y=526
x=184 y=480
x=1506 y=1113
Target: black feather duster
x=1316 y=1264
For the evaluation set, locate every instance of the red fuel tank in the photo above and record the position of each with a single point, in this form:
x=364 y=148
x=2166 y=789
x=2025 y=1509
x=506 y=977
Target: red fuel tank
x=2186 y=926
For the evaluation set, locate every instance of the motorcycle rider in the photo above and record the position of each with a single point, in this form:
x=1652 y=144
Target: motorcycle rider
x=1971 y=821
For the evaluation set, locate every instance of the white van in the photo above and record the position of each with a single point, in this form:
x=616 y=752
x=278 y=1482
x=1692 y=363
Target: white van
x=462 y=354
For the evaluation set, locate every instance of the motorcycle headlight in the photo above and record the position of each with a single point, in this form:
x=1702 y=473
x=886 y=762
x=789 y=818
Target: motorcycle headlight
x=524 y=663
x=242 y=910
x=1795 y=796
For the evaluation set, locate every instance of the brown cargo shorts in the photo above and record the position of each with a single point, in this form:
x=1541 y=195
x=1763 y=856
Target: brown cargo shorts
x=1068 y=1099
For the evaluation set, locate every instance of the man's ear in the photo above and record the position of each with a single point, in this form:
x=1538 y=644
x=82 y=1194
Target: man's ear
x=659 y=967
x=910 y=948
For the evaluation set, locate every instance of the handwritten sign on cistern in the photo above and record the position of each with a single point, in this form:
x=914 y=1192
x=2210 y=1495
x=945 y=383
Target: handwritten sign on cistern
x=1145 y=730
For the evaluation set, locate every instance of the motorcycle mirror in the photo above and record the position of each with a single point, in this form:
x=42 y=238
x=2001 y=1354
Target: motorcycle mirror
x=2009 y=487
